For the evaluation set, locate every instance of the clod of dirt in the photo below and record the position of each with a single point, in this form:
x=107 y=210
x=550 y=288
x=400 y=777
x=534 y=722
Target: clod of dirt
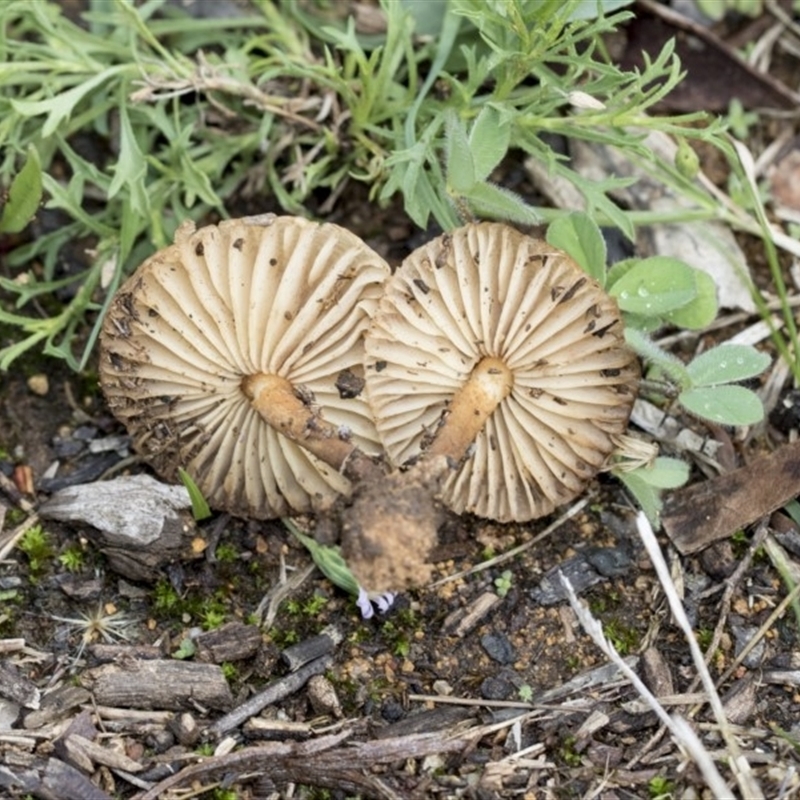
x=389 y=528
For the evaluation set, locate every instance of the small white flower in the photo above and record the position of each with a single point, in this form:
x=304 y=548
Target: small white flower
x=366 y=599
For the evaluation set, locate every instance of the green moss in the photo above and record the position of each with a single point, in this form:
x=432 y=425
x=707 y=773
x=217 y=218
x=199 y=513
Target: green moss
x=226 y=553
x=37 y=545
x=73 y=559
x=624 y=638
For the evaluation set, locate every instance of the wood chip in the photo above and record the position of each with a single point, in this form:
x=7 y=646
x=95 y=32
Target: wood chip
x=232 y=642
x=656 y=674
x=15 y=686
x=56 y=705
x=160 y=683
x=51 y=778
x=714 y=509
x=296 y=655
x=463 y=620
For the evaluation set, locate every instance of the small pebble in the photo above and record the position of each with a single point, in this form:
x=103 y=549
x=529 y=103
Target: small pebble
x=442 y=688
x=496 y=689
x=498 y=648
x=743 y=634
x=392 y=711
x=323 y=697
x=610 y=562
x=39 y=384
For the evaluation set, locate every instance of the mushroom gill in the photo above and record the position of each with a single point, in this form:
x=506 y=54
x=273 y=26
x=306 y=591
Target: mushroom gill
x=237 y=354
x=495 y=350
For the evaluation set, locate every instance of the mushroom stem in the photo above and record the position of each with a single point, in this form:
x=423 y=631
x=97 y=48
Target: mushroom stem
x=275 y=399
x=488 y=385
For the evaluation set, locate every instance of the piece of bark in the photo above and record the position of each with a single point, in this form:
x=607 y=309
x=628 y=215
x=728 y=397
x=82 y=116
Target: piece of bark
x=141 y=524
x=50 y=779
x=160 y=683
x=440 y=718
x=701 y=514
x=232 y=642
x=317 y=762
x=82 y=727
x=103 y=653
x=276 y=729
x=461 y=621
x=186 y=729
x=656 y=673
x=56 y=705
x=296 y=655
x=11 y=645
x=15 y=686
x=94 y=753
x=739 y=702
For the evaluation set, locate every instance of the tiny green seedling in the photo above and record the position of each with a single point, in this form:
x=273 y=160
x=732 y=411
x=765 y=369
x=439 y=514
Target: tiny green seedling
x=333 y=567
x=200 y=507
x=73 y=558
x=503 y=582
x=186 y=649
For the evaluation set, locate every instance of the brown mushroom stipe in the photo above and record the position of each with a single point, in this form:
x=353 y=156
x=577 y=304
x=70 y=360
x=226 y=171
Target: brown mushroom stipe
x=497 y=351
x=209 y=324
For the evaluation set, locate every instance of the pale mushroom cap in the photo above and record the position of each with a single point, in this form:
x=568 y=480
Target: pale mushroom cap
x=278 y=295
x=487 y=290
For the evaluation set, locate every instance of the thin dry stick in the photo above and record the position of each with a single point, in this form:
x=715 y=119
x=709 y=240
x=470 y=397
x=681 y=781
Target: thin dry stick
x=275 y=692
x=739 y=764
x=267 y=609
x=759 y=634
x=503 y=557
x=731 y=585
x=14 y=536
x=694 y=747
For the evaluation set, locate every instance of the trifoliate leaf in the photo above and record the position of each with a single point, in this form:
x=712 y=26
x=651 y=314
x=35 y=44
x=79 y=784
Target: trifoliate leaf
x=725 y=405
x=727 y=363
x=664 y=472
x=655 y=286
x=646 y=495
x=701 y=311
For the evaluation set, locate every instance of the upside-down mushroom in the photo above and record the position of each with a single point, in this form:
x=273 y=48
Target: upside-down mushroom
x=237 y=352
x=496 y=351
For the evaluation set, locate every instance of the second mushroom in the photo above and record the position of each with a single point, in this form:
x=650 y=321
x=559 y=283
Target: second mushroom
x=495 y=350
